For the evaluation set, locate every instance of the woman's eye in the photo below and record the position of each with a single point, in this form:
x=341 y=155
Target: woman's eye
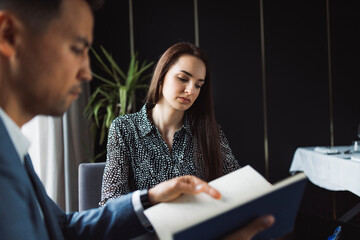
x=197 y=86
x=77 y=51
x=182 y=79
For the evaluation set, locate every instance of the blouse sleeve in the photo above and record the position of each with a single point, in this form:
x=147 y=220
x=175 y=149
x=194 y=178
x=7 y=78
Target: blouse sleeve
x=116 y=173
x=230 y=164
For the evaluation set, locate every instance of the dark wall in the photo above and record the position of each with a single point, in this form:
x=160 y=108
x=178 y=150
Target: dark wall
x=230 y=35
x=345 y=37
x=298 y=101
x=112 y=31
x=297 y=79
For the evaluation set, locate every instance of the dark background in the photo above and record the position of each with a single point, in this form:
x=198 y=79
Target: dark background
x=298 y=100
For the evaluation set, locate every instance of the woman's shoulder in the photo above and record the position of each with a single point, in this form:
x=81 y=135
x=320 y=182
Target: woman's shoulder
x=219 y=128
x=127 y=120
x=124 y=127
x=132 y=121
x=222 y=135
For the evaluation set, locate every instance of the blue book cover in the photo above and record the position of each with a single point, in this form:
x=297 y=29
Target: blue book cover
x=282 y=203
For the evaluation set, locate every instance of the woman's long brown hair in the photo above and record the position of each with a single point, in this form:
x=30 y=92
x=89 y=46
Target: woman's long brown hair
x=201 y=114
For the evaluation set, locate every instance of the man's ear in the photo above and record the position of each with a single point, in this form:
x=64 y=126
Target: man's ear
x=7 y=34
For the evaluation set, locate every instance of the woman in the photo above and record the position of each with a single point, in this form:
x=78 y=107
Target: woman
x=174 y=134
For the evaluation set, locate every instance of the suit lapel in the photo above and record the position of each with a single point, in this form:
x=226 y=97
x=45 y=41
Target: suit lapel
x=49 y=218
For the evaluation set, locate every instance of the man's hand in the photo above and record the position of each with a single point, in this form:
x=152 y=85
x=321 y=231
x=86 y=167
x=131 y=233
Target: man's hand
x=172 y=189
x=253 y=228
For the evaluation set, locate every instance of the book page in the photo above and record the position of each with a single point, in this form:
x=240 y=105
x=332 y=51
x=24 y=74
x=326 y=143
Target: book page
x=236 y=188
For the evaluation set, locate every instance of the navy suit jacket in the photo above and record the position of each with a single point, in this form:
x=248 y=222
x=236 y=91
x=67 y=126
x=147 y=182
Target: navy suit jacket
x=20 y=216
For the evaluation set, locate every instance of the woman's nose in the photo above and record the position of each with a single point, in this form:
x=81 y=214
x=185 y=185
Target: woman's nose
x=189 y=89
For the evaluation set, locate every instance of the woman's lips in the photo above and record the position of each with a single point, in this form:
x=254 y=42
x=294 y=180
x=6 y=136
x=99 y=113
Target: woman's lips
x=184 y=100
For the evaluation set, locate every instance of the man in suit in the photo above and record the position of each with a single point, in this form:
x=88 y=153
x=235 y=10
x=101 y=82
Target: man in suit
x=44 y=60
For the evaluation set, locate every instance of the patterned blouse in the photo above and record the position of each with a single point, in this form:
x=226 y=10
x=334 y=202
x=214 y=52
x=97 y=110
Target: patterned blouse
x=138 y=157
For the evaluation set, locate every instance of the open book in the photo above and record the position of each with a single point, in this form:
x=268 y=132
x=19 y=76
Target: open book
x=246 y=195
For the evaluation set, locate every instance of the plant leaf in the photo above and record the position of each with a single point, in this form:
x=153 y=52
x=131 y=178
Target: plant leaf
x=123 y=99
x=109 y=82
x=103 y=133
x=113 y=63
x=109 y=115
x=102 y=63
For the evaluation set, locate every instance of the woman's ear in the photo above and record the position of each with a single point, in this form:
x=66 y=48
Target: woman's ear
x=7 y=34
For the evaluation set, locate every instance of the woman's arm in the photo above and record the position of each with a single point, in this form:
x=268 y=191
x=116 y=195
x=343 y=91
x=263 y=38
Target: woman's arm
x=117 y=169
x=230 y=164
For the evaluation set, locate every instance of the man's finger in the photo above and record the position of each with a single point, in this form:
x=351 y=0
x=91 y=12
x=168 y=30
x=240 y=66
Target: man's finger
x=260 y=224
x=253 y=228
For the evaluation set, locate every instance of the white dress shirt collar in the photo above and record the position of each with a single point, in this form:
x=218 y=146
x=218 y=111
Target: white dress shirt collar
x=19 y=140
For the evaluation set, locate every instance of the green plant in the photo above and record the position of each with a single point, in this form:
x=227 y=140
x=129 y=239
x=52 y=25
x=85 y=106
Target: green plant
x=116 y=93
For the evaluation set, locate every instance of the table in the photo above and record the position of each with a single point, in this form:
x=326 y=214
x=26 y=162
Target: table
x=336 y=172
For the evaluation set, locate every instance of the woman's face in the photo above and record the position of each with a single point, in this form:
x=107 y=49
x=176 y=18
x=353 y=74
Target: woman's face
x=182 y=83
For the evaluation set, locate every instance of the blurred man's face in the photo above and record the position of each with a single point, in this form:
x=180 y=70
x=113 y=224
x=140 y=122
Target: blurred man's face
x=51 y=66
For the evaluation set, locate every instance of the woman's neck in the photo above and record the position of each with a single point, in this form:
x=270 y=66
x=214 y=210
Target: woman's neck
x=167 y=119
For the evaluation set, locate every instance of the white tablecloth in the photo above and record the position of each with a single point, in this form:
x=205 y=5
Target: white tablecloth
x=333 y=172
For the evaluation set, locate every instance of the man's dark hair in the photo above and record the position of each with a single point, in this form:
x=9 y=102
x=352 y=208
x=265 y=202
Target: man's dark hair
x=37 y=13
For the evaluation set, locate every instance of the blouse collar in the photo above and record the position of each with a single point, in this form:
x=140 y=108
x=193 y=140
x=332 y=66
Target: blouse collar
x=147 y=126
